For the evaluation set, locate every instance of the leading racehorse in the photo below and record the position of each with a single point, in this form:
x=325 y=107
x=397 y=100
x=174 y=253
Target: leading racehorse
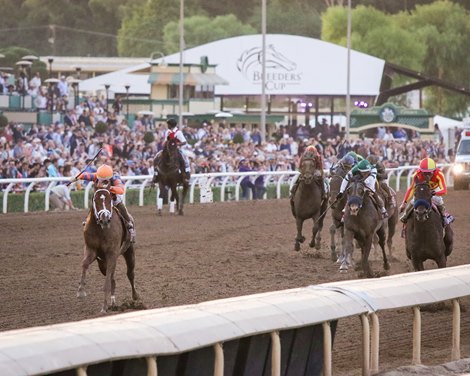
x=308 y=203
x=106 y=238
x=362 y=221
x=169 y=167
x=425 y=236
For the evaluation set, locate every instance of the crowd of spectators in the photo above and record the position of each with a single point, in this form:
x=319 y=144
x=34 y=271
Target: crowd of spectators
x=63 y=149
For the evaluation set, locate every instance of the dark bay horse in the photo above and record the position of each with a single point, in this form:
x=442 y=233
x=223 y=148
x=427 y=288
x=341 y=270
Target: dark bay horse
x=170 y=169
x=425 y=236
x=361 y=222
x=106 y=238
x=337 y=207
x=308 y=203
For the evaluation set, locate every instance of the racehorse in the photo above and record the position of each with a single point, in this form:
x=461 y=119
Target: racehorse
x=308 y=203
x=361 y=222
x=425 y=236
x=106 y=238
x=337 y=207
x=169 y=166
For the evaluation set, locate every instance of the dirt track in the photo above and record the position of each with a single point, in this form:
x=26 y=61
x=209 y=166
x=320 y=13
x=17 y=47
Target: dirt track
x=214 y=251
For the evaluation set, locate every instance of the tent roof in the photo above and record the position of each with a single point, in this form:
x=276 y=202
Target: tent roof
x=295 y=65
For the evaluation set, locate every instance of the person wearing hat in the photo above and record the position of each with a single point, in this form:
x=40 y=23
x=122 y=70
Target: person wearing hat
x=105 y=176
x=173 y=132
x=369 y=175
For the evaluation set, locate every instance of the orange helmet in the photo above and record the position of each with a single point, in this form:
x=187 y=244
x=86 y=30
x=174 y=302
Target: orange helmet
x=104 y=172
x=311 y=149
x=427 y=165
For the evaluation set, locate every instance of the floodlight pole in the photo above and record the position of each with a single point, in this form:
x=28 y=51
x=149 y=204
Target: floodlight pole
x=263 y=72
x=181 y=87
x=348 y=75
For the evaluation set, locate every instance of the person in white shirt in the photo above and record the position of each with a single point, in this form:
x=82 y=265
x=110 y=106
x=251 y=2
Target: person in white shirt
x=63 y=87
x=60 y=198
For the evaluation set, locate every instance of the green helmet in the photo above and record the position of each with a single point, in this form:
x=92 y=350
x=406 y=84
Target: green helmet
x=364 y=166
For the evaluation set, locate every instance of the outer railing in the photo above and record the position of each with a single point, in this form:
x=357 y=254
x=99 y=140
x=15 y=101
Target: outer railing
x=157 y=337
x=221 y=180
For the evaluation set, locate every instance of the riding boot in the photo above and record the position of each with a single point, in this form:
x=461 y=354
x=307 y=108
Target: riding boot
x=442 y=212
x=155 y=178
x=406 y=213
x=380 y=204
x=389 y=193
x=187 y=176
x=293 y=189
x=128 y=219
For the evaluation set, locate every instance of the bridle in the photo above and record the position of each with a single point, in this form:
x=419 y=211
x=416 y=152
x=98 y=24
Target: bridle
x=307 y=176
x=103 y=216
x=422 y=206
x=355 y=199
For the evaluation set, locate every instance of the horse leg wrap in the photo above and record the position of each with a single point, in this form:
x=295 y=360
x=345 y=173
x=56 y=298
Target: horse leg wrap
x=159 y=203
x=172 y=206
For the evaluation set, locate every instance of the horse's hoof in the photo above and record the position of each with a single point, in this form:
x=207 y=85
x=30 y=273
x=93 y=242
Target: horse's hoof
x=297 y=247
x=300 y=239
x=312 y=244
x=181 y=212
x=343 y=268
x=104 y=311
x=81 y=294
x=387 y=266
x=318 y=246
x=159 y=213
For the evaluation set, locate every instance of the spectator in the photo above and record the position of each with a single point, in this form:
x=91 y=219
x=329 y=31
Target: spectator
x=60 y=198
x=246 y=184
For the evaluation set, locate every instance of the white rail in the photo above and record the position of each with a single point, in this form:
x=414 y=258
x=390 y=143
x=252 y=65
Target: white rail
x=153 y=334
x=221 y=180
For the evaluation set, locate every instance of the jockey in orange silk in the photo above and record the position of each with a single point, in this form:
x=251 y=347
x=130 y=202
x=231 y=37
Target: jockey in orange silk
x=427 y=171
x=104 y=177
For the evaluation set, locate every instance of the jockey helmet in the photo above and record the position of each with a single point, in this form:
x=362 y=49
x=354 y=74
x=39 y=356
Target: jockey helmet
x=104 y=172
x=364 y=166
x=171 y=123
x=373 y=159
x=427 y=165
x=311 y=149
x=347 y=161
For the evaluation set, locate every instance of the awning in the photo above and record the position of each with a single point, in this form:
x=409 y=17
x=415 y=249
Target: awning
x=192 y=79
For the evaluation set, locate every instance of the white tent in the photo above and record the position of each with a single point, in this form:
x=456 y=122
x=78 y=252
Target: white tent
x=295 y=65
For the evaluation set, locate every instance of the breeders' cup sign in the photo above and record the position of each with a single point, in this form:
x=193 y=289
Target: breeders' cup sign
x=280 y=71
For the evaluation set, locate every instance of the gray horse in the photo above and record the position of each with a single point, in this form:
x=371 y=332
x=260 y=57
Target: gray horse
x=307 y=203
x=361 y=222
x=337 y=207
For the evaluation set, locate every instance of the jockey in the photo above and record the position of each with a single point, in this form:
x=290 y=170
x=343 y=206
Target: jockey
x=346 y=163
x=369 y=175
x=311 y=152
x=427 y=171
x=382 y=178
x=104 y=176
x=173 y=132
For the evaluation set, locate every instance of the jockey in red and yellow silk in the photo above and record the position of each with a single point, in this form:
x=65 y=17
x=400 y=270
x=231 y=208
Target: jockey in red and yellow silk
x=105 y=176
x=311 y=152
x=427 y=171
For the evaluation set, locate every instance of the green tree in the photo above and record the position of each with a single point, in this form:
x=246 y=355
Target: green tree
x=374 y=33
x=242 y=9
x=444 y=28
x=202 y=29
x=141 y=32
x=296 y=17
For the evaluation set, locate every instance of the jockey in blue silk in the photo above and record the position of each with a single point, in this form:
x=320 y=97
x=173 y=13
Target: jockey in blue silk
x=369 y=176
